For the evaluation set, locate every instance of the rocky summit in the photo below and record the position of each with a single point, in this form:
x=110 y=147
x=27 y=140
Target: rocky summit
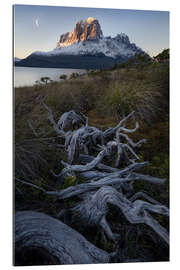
x=84 y=30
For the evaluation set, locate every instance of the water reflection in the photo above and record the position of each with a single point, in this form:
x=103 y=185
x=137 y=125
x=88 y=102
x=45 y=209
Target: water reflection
x=27 y=76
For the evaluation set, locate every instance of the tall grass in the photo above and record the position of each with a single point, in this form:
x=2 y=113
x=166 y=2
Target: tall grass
x=121 y=97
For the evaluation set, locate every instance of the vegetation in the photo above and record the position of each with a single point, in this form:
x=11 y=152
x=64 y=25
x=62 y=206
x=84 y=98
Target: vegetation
x=139 y=61
x=164 y=55
x=105 y=97
x=44 y=80
x=74 y=75
x=63 y=77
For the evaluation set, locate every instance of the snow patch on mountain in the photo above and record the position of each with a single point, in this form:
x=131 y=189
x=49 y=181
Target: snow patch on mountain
x=111 y=47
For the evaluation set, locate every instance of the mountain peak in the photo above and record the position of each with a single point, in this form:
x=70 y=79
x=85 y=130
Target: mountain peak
x=90 y=20
x=87 y=38
x=89 y=29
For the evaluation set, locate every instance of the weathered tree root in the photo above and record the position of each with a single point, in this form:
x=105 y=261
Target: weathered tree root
x=94 y=208
x=38 y=233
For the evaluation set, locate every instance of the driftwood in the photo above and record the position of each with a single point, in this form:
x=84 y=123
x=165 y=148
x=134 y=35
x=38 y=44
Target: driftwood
x=70 y=120
x=37 y=234
x=88 y=149
x=94 y=208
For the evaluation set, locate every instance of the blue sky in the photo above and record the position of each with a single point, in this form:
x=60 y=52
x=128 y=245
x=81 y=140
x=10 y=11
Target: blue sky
x=37 y=28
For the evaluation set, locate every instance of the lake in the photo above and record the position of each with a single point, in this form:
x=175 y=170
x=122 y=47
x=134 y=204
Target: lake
x=26 y=76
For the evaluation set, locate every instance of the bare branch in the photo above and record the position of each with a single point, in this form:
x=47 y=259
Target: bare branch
x=32 y=128
x=130 y=141
x=54 y=193
x=51 y=119
x=148 y=178
x=111 y=131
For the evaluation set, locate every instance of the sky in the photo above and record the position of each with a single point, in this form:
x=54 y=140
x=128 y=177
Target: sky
x=38 y=28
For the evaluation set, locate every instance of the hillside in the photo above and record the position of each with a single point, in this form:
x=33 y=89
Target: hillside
x=164 y=55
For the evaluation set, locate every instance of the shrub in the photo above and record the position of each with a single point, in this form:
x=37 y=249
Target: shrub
x=163 y=55
x=46 y=80
x=63 y=77
x=74 y=75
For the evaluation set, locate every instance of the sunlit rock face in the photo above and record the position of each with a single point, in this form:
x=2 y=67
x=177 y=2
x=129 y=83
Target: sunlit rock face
x=84 y=30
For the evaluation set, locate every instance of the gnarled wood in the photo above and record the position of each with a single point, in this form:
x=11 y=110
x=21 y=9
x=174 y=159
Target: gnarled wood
x=70 y=120
x=94 y=208
x=39 y=231
x=111 y=131
x=52 y=121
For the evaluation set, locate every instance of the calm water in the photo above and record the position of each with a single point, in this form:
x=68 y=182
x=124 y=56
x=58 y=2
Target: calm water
x=26 y=76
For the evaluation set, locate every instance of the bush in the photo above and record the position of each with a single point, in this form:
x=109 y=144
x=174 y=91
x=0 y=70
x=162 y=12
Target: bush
x=74 y=75
x=46 y=80
x=63 y=77
x=164 y=55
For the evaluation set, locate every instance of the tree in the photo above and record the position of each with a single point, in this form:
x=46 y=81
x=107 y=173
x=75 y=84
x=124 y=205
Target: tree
x=164 y=55
x=46 y=80
x=63 y=77
x=74 y=75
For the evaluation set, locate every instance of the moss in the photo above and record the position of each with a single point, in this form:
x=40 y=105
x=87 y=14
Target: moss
x=69 y=181
x=108 y=246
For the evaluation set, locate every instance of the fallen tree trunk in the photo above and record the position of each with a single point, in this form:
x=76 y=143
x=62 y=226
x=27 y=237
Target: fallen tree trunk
x=39 y=235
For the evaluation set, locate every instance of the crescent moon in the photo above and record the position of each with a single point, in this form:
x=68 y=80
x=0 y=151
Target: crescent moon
x=37 y=22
